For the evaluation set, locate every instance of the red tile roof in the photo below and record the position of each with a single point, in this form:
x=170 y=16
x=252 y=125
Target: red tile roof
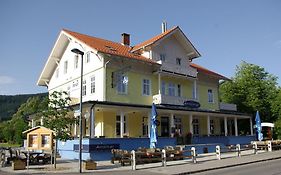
x=108 y=47
x=114 y=48
x=209 y=72
x=153 y=40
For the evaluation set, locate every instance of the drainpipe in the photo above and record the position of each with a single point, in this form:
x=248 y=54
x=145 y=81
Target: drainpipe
x=92 y=119
x=104 y=80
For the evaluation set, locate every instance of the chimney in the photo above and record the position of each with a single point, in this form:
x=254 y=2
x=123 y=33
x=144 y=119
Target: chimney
x=126 y=39
x=164 y=26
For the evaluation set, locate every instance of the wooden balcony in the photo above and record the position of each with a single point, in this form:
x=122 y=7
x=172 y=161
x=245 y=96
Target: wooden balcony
x=177 y=69
x=173 y=100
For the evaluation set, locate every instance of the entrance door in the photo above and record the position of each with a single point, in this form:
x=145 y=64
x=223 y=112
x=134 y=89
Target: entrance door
x=165 y=127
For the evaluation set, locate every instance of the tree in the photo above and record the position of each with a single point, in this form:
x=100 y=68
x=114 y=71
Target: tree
x=251 y=89
x=276 y=110
x=12 y=129
x=56 y=115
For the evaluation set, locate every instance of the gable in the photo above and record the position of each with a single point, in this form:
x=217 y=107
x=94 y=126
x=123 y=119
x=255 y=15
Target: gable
x=190 y=51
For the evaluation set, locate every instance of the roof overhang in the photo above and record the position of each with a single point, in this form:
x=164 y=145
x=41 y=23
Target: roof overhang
x=53 y=59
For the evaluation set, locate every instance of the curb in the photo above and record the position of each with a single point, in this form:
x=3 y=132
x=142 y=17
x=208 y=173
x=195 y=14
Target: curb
x=227 y=166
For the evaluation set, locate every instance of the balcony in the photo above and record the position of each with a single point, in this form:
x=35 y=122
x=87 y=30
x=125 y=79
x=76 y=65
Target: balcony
x=228 y=107
x=165 y=99
x=188 y=71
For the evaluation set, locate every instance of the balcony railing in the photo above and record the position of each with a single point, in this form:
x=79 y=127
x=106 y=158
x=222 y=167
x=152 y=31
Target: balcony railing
x=228 y=107
x=173 y=100
x=185 y=70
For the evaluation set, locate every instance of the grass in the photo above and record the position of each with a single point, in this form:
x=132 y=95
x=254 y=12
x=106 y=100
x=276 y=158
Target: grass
x=9 y=145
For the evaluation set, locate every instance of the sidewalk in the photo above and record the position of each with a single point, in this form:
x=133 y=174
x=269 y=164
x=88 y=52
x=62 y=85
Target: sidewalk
x=204 y=162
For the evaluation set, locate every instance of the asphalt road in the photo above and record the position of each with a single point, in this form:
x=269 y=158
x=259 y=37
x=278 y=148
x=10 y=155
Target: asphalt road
x=272 y=167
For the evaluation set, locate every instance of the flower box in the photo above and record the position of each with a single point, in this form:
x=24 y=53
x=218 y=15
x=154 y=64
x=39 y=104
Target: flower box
x=90 y=165
x=18 y=165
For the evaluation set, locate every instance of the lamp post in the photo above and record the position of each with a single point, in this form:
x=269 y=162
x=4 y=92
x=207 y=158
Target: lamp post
x=79 y=52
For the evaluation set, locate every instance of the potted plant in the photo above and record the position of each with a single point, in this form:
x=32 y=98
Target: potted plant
x=90 y=165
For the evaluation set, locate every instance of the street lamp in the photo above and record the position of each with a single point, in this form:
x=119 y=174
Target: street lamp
x=79 y=52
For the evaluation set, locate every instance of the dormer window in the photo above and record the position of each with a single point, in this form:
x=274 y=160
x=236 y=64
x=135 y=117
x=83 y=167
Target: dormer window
x=163 y=57
x=178 y=61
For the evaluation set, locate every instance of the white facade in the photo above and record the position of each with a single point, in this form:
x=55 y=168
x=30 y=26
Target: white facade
x=69 y=80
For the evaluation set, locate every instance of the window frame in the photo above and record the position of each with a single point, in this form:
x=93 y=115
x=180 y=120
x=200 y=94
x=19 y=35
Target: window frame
x=84 y=88
x=88 y=57
x=162 y=57
x=211 y=96
x=146 y=87
x=117 y=125
x=76 y=61
x=121 y=87
x=179 y=93
x=172 y=89
x=65 y=67
x=196 y=126
x=178 y=61
x=93 y=84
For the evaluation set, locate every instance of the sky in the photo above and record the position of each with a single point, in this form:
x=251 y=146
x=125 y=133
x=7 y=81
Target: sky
x=225 y=32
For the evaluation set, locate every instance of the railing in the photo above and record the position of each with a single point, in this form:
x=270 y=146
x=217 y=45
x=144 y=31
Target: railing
x=238 y=149
x=165 y=99
x=185 y=70
x=143 y=156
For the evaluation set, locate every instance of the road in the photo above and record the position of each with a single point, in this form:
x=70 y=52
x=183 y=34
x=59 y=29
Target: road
x=272 y=167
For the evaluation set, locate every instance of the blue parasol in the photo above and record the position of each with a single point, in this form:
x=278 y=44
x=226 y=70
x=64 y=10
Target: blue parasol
x=153 y=127
x=258 y=127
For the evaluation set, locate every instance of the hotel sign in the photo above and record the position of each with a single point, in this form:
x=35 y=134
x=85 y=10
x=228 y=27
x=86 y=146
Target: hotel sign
x=96 y=147
x=191 y=104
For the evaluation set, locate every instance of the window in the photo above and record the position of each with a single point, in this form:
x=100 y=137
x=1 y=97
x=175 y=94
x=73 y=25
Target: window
x=122 y=84
x=93 y=85
x=212 y=126
x=179 y=90
x=145 y=87
x=178 y=125
x=57 y=73
x=163 y=88
x=65 y=67
x=84 y=90
x=88 y=57
x=33 y=140
x=162 y=57
x=144 y=126
x=118 y=122
x=178 y=61
x=210 y=96
x=75 y=61
x=45 y=140
x=195 y=123
x=171 y=89
x=194 y=90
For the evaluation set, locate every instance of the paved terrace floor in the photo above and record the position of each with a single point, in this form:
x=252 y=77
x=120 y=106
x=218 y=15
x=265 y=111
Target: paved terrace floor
x=205 y=162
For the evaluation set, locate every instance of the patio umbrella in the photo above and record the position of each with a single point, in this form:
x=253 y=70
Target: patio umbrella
x=153 y=127
x=258 y=126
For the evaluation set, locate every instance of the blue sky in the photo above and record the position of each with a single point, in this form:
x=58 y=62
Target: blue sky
x=224 y=32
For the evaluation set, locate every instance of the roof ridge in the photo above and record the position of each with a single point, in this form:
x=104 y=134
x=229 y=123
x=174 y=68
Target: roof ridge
x=153 y=39
x=69 y=31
